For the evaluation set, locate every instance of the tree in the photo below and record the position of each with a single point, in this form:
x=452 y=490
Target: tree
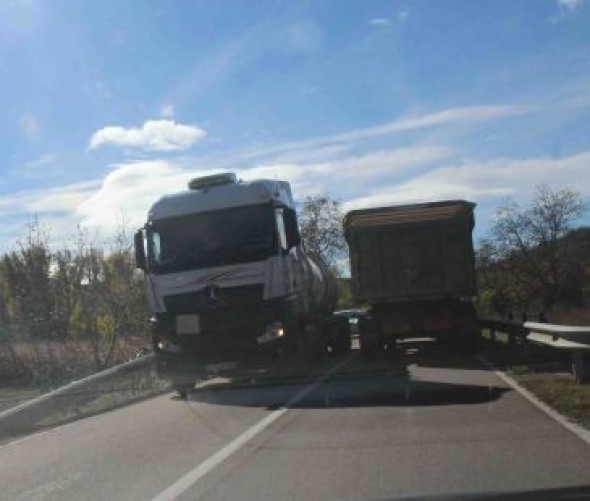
x=25 y=285
x=320 y=222
x=529 y=243
x=68 y=310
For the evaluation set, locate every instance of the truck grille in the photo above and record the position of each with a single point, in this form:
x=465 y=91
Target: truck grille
x=227 y=298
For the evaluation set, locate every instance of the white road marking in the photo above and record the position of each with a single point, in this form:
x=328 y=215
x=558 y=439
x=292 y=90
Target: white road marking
x=192 y=477
x=577 y=430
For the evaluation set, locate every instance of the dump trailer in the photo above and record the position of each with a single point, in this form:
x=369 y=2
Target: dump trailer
x=414 y=265
x=229 y=282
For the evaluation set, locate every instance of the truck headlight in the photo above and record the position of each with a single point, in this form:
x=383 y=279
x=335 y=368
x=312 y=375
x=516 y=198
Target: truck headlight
x=164 y=344
x=273 y=331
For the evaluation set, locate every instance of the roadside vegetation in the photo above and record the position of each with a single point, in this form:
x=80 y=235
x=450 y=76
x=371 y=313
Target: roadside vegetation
x=535 y=263
x=67 y=311
x=558 y=390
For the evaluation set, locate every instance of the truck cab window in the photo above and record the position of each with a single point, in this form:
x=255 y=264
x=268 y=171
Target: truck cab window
x=155 y=247
x=213 y=238
x=282 y=233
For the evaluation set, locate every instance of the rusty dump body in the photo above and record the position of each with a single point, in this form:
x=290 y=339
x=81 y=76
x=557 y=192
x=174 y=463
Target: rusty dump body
x=414 y=264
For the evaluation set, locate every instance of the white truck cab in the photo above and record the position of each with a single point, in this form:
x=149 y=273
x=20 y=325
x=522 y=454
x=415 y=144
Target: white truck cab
x=226 y=273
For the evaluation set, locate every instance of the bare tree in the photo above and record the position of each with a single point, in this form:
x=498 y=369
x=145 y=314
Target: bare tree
x=320 y=221
x=529 y=242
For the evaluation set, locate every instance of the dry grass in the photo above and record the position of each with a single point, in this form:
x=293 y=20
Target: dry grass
x=50 y=363
x=121 y=393
x=545 y=374
x=11 y=397
x=560 y=392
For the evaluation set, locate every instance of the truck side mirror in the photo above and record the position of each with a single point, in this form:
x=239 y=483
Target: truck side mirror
x=291 y=228
x=140 y=260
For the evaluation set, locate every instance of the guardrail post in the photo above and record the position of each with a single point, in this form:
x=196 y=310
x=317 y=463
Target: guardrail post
x=580 y=367
x=526 y=346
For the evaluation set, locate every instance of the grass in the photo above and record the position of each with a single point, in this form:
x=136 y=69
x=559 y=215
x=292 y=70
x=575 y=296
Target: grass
x=546 y=375
x=116 y=397
x=519 y=370
x=90 y=399
x=13 y=396
x=560 y=392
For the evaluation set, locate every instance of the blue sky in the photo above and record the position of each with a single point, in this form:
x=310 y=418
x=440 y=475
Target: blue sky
x=107 y=105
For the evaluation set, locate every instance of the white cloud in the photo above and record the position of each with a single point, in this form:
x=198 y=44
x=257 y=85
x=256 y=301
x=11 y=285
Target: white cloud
x=319 y=154
x=385 y=22
x=167 y=111
x=476 y=180
x=350 y=173
x=58 y=202
x=381 y=177
x=56 y=199
x=380 y=21
x=28 y=124
x=41 y=161
x=462 y=115
x=129 y=190
x=387 y=161
x=153 y=135
x=570 y=5
x=42 y=167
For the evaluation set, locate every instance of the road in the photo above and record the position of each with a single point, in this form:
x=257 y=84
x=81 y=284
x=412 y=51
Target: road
x=424 y=424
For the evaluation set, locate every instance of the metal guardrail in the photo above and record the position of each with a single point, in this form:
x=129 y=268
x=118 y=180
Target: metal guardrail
x=572 y=339
x=25 y=415
x=515 y=330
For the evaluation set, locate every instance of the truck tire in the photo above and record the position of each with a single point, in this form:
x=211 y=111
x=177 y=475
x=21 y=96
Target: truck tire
x=314 y=340
x=464 y=339
x=303 y=342
x=461 y=341
x=469 y=333
x=293 y=345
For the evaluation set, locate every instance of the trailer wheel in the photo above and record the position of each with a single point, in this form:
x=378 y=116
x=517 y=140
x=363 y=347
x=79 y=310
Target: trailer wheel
x=465 y=339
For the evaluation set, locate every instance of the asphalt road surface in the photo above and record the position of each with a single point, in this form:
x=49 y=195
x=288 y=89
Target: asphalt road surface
x=423 y=424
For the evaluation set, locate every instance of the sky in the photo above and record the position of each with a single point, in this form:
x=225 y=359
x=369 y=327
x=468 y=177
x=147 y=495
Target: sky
x=105 y=106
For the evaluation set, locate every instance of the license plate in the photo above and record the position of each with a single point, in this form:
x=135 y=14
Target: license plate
x=188 y=324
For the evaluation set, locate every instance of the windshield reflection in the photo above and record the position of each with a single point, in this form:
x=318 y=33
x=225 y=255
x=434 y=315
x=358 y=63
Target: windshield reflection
x=216 y=238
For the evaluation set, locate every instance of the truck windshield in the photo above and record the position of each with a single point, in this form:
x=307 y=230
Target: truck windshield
x=216 y=238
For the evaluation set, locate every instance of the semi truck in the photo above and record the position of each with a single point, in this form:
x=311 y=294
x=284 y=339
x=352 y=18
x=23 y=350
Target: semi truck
x=229 y=282
x=414 y=266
